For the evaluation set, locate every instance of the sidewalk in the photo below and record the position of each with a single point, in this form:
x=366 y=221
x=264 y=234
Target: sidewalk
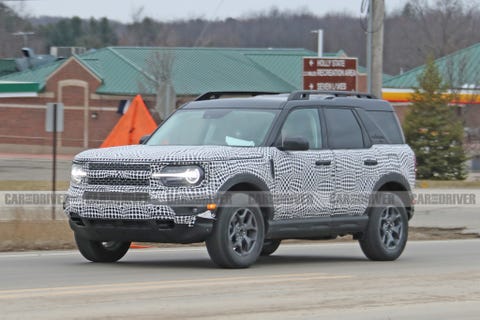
x=448 y=218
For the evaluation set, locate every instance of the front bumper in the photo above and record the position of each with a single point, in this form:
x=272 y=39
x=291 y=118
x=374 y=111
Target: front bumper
x=141 y=230
x=141 y=221
x=177 y=212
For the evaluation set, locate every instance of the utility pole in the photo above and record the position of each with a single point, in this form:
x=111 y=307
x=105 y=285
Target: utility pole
x=319 y=33
x=376 y=14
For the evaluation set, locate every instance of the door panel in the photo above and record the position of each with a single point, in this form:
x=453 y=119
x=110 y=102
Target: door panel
x=304 y=179
x=355 y=164
x=303 y=188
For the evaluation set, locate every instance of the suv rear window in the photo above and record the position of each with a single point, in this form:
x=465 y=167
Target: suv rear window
x=388 y=124
x=343 y=130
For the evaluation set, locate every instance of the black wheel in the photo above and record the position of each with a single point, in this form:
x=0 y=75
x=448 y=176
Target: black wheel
x=238 y=233
x=269 y=247
x=387 y=230
x=98 y=251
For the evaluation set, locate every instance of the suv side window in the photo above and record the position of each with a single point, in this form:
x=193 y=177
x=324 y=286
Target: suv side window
x=303 y=123
x=343 y=129
x=387 y=122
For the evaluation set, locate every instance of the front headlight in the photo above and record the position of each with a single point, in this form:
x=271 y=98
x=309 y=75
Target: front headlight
x=78 y=173
x=175 y=176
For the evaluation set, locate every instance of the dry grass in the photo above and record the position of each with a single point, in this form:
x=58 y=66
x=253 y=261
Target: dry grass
x=18 y=185
x=447 y=184
x=22 y=235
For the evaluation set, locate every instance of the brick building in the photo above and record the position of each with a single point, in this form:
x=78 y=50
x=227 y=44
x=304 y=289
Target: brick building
x=93 y=85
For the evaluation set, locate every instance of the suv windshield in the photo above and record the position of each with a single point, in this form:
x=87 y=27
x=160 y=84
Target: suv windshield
x=223 y=127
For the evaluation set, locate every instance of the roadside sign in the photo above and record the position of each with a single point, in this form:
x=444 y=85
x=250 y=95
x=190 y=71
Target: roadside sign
x=332 y=74
x=54 y=124
x=50 y=115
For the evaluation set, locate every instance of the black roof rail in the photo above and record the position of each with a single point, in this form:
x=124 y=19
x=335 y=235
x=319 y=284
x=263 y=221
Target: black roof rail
x=305 y=94
x=217 y=94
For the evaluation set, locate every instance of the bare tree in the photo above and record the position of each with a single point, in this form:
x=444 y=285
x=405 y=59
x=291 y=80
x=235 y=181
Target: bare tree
x=160 y=66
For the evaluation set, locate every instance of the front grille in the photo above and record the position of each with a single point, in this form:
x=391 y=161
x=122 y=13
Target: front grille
x=134 y=224
x=94 y=166
x=116 y=196
x=118 y=182
x=118 y=174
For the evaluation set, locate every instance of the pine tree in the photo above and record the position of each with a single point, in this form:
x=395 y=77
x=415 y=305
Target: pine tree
x=433 y=130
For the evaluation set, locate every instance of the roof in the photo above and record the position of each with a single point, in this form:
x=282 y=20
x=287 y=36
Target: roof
x=281 y=101
x=465 y=60
x=37 y=75
x=7 y=66
x=127 y=70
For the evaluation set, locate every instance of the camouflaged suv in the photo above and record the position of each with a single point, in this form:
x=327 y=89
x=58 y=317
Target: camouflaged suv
x=242 y=174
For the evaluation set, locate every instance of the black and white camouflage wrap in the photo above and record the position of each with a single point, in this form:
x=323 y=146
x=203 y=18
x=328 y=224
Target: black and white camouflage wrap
x=295 y=173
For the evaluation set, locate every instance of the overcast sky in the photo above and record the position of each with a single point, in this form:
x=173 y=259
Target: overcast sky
x=166 y=10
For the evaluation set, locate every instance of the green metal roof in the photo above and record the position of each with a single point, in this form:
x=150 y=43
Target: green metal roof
x=38 y=75
x=461 y=67
x=126 y=70
x=197 y=70
x=7 y=66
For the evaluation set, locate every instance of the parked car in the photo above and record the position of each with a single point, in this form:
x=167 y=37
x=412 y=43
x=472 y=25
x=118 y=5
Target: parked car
x=242 y=174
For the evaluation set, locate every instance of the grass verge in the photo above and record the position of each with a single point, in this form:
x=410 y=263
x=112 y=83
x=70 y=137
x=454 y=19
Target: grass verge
x=447 y=184
x=19 y=185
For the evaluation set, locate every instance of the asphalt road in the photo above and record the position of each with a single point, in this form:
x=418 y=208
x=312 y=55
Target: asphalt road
x=432 y=280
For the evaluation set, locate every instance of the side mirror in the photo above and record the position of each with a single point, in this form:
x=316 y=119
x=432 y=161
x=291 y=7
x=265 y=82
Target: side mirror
x=294 y=144
x=144 y=139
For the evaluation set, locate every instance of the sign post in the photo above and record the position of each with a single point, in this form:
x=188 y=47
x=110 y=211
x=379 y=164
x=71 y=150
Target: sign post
x=54 y=124
x=330 y=74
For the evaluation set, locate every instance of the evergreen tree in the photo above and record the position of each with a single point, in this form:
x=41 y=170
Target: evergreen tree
x=433 y=130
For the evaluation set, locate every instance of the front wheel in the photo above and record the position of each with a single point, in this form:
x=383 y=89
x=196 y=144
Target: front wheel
x=387 y=230
x=237 y=237
x=98 y=251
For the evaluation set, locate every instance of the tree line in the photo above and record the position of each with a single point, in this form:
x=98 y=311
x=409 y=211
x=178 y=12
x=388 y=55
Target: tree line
x=419 y=29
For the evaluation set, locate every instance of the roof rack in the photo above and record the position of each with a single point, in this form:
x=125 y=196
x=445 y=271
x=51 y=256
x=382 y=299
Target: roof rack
x=217 y=94
x=305 y=94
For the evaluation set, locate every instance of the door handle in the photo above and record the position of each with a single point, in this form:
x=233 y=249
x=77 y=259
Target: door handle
x=323 y=162
x=370 y=162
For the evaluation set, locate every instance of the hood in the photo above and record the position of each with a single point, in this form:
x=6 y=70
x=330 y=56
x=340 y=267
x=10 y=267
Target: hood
x=144 y=153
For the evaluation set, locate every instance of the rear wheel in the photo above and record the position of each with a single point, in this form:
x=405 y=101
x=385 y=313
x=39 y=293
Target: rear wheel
x=269 y=247
x=387 y=230
x=101 y=251
x=237 y=237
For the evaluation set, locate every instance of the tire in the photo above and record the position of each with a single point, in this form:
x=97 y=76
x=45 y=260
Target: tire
x=269 y=247
x=237 y=236
x=387 y=232
x=98 y=251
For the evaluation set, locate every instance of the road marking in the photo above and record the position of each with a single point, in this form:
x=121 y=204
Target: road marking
x=156 y=285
